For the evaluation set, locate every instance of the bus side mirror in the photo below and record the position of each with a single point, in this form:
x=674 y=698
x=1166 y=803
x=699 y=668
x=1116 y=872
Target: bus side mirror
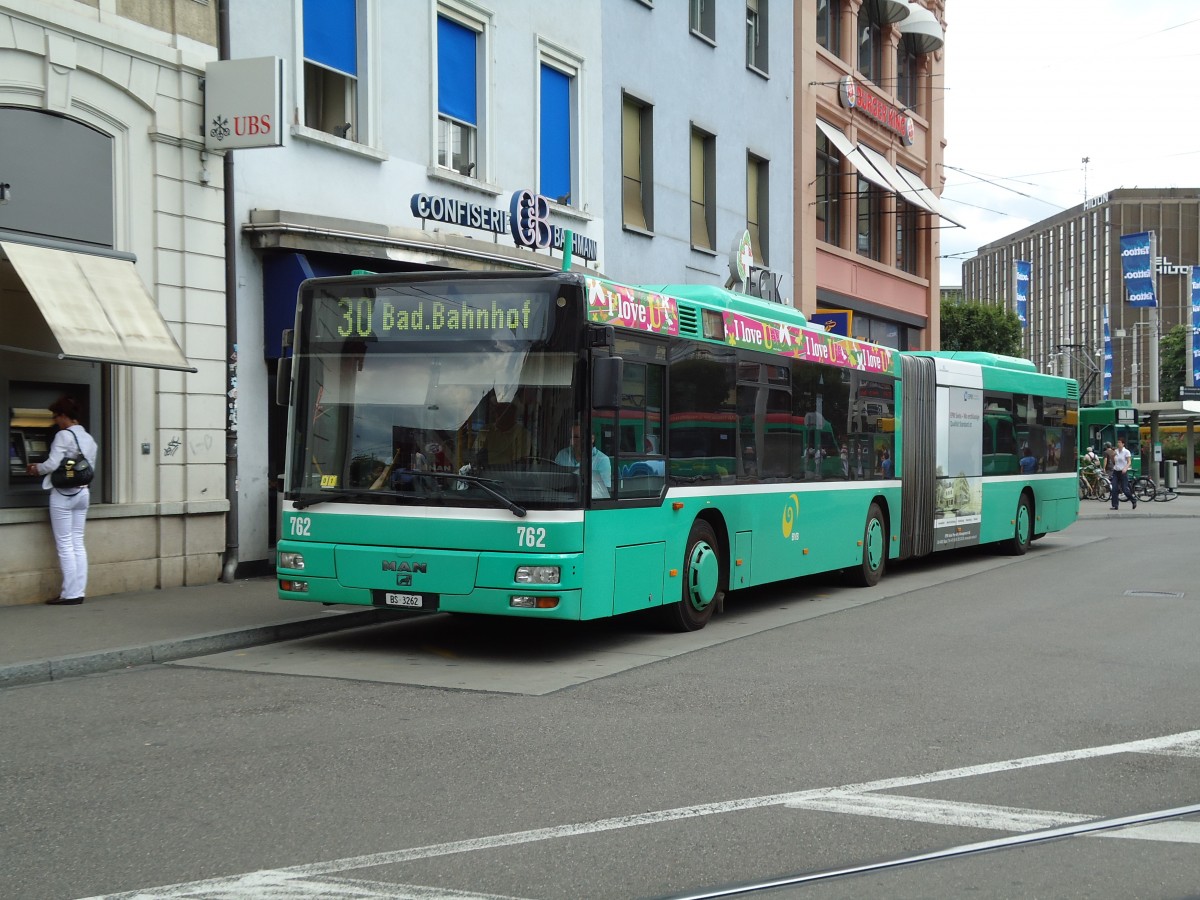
x=283 y=374
x=608 y=374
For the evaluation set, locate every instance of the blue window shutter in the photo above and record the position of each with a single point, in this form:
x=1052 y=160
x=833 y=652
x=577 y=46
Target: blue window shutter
x=555 y=145
x=331 y=34
x=456 y=70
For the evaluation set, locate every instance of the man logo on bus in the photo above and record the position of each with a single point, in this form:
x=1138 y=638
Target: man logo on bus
x=790 y=513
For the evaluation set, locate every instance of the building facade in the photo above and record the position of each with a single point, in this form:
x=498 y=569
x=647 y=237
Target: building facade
x=1076 y=286
x=111 y=287
x=869 y=138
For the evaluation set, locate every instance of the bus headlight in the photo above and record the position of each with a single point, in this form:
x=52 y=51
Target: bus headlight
x=537 y=575
x=291 y=560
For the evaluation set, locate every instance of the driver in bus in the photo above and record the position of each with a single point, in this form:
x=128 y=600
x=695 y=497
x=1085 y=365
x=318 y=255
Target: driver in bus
x=571 y=455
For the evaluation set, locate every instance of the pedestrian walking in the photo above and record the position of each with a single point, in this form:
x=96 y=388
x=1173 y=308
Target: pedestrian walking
x=1121 y=461
x=68 y=505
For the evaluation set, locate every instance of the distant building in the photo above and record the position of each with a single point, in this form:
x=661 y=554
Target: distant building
x=1076 y=277
x=952 y=294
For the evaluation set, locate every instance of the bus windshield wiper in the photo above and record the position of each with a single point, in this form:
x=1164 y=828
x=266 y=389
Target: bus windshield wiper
x=345 y=494
x=485 y=483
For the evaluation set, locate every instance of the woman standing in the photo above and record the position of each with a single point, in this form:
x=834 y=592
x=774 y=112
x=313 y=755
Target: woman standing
x=68 y=506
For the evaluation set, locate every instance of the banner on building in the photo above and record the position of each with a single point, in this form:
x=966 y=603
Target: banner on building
x=1023 y=269
x=1195 y=326
x=834 y=321
x=1137 y=268
x=1108 y=358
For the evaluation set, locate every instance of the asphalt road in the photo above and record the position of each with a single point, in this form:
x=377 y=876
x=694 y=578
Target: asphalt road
x=812 y=728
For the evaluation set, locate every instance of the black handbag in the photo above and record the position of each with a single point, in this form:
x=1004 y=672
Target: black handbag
x=74 y=471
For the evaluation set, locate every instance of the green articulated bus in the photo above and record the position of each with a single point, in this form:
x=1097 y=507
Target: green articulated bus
x=561 y=446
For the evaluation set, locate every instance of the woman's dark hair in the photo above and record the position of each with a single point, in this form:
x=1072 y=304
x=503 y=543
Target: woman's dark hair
x=66 y=406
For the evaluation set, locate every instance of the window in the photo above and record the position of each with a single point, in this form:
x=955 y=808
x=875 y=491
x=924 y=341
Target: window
x=756 y=34
x=757 y=190
x=332 y=52
x=458 y=105
x=829 y=217
x=908 y=63
x=637 y=163
x=829 y=25
x=870 y=43
x=704 y=183
x=908 y=219
x=870 y=201
x=556 y=127
x=702 y=18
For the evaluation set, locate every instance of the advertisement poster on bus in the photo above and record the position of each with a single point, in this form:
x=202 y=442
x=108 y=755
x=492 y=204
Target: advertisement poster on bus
x=619 y=304
x=799 y=343
x=958 y=498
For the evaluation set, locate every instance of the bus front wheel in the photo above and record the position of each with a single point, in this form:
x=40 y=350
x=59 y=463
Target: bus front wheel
x=703 y=580
x=874 y=550
x=1022 y=528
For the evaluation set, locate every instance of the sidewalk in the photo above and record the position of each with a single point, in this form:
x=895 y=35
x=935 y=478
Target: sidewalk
x=45 y=643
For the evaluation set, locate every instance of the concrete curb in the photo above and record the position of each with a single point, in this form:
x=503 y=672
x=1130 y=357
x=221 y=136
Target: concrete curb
x=43 y=670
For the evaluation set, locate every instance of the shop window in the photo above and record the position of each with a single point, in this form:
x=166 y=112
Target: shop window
x=829 y=25
x=757 y=192
x=702 y=19
x=333 y=62
x=908 y=64
x=458 y=104
x=637 y=163
x=828 y=196
x=908 y=219
x=703 y=189
x=870 y=215
x=870 y=43
x=557 y=135
x=756 y=35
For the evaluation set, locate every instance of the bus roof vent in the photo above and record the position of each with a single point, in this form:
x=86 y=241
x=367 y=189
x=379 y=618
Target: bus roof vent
x=689 y=322
x=1073 y=390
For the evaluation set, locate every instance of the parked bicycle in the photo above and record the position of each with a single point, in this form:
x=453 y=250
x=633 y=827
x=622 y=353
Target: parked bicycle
x=1160 y=493
x=1093 y=485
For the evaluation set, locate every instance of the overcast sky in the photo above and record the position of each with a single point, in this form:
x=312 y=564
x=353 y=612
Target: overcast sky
x=1034 y=86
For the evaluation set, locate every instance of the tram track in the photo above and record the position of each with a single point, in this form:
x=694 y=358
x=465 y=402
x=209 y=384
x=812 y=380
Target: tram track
x=1008 y=842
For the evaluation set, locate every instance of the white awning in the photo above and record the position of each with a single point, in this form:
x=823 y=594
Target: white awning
x=903 y=189
x=889 y=11
x=923 y=29
x=81 y=306
x=922 y=190
x=849 y=150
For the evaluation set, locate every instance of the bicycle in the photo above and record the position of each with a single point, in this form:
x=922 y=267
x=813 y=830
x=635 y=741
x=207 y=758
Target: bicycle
x=1159 y=493
x=1144 y=488
x=1093 y=485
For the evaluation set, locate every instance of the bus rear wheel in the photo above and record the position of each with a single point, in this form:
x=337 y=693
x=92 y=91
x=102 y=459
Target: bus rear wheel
x=1022 y=529
x=703 y=580
x=874 y=550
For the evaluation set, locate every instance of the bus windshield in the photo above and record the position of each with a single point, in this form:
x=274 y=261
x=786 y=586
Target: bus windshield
x=463 y=397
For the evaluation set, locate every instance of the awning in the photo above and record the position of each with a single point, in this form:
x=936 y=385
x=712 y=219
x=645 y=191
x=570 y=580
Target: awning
x=903 y=189
x=850 y=150
x=921 y=189
x=81 y=306
x=922 y=29
x=888 y=11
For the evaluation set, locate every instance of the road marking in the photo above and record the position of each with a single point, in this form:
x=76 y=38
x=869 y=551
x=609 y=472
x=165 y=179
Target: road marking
x=939 y=812
x=241 y=885
x=1175 y=832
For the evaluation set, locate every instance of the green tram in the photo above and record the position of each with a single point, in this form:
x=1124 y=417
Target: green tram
x=562 y=446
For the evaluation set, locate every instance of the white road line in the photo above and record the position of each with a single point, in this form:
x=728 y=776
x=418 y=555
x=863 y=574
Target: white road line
x=1175 y=832
x=212 y=886
x=940 y=812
